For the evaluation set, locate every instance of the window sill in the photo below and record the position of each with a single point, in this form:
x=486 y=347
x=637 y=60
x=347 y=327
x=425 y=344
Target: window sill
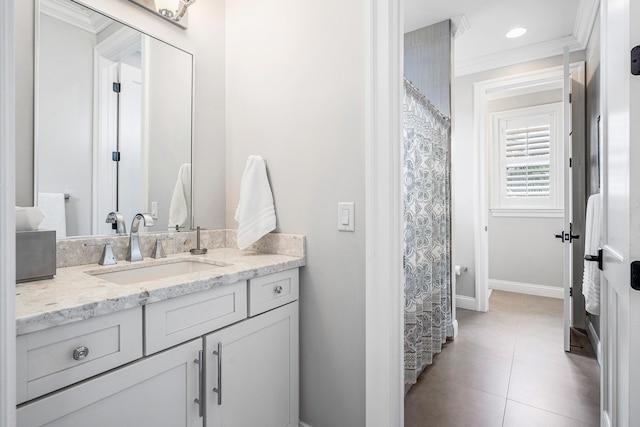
x=527 y=213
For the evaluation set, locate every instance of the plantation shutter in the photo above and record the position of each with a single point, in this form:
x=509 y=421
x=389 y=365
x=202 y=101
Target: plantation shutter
x=527 y=161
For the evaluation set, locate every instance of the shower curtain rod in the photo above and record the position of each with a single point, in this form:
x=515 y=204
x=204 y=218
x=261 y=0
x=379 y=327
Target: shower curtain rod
x=414 y=91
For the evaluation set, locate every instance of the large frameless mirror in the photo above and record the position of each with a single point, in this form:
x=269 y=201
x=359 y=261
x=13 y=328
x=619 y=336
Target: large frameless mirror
x=113 y=121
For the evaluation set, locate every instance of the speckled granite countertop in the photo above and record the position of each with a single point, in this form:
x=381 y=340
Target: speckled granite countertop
x=75 y=294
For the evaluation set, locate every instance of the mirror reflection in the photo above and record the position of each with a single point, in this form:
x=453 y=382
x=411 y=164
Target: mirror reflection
x=113 y=122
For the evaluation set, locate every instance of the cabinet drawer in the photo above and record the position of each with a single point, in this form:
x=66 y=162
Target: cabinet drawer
x=274 y=290
x=177 y=320
x=158 y=391
x=57 y=357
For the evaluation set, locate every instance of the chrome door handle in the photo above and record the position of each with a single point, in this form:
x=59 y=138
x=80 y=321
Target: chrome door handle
x=218 y=389
x=200 y=399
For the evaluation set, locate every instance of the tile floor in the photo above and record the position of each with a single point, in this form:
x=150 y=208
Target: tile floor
x=507 y=368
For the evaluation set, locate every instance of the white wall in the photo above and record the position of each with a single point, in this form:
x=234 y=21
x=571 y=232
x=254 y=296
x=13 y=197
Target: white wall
x=295 y=95
x=524 y=250
x=464 y=164
x=65 y=112
x=204 y=38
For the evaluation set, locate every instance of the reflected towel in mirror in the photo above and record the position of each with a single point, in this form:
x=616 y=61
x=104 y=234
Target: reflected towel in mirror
x=256 y=215
x=52 y=205
x=181 y=199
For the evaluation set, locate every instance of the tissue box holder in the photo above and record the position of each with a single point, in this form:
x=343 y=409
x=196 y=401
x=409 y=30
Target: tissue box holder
x=35 y=255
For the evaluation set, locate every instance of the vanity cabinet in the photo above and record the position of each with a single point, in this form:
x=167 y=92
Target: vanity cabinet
x=252 y=371
x=193 y=344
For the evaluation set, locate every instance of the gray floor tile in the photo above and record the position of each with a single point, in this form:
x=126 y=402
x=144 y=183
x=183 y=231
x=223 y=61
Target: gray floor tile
x=514 y=350
x=452 y=405
x=520 y=415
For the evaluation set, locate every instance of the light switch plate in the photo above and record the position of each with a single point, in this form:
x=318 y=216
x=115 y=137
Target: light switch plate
x=154 y=210
x=346 y=216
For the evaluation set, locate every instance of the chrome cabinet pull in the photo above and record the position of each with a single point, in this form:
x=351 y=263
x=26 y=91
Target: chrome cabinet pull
x=278 y=289
x=200 y=399
x=80 y=353
x=219 y=388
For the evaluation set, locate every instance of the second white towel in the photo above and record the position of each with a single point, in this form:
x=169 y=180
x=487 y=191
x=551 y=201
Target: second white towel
x=591 y=276
x=255 y=214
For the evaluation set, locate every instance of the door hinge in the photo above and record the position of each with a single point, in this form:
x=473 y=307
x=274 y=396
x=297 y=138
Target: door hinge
x=635 y=61
x=570 y=98
x=571 y=291
x=116 y=87
x=635 y=275
x=115 y=156
x=570 y=162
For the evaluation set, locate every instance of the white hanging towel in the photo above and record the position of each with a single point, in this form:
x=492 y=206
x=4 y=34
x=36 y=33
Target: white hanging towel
x=591 y=276
x=52 y=205
x=255 y=214
x=181 y=199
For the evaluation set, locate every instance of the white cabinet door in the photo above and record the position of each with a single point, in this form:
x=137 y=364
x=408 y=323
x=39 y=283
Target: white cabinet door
x=158 y=391
x=253 y=367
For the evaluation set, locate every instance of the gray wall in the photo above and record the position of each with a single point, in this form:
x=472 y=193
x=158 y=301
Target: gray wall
x=593 y=112
x=464 y=164
x=295 y=95
x=205 y=38
x=427 y=63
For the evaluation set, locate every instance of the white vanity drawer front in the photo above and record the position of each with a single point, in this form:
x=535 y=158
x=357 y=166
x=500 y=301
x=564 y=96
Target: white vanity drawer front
x=57 y=357
x=274 y=290
x=177 y=320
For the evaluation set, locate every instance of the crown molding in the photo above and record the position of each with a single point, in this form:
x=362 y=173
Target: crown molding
x=75 y=14
x=577 y=41
x=585 y=20
x=517 y=56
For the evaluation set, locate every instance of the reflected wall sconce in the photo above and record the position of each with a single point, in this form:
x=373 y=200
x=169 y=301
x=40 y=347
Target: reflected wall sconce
x=174 y=11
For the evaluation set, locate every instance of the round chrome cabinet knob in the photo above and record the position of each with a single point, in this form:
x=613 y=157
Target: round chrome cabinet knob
x=278 y=289
x=80 y=353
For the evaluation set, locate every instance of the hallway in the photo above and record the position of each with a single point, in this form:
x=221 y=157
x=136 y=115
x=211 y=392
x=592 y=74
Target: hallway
x=507 y=368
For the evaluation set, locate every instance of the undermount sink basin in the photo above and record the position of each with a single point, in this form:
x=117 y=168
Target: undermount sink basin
x=155 y=272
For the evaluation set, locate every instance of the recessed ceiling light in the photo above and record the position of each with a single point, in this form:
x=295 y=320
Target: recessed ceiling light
x=516 y=32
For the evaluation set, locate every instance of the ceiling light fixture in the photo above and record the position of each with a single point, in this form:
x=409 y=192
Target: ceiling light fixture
x=516 y=32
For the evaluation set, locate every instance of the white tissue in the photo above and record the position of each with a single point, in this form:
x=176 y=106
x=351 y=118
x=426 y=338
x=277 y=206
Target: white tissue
x=28 y=219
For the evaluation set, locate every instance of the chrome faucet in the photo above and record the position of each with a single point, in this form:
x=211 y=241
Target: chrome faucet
x=134 y=254
x=118 y=219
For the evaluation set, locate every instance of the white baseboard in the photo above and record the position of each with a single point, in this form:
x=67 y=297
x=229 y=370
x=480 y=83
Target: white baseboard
x=527 y=288
x=595 y=341
x=304 y=424
x=468 y=303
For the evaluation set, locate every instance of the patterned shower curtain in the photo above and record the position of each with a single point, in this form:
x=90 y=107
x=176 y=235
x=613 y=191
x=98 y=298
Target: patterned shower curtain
x=427 y=232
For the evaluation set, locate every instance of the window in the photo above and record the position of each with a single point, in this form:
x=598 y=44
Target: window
x=526 y=161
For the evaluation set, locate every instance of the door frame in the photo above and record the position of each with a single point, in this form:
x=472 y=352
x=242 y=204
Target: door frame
x=384 y=337
x=485 y=91
x=7 y=217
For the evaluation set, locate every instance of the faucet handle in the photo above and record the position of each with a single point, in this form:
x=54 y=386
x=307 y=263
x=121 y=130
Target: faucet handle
x=158 y=250
x=107 y=257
